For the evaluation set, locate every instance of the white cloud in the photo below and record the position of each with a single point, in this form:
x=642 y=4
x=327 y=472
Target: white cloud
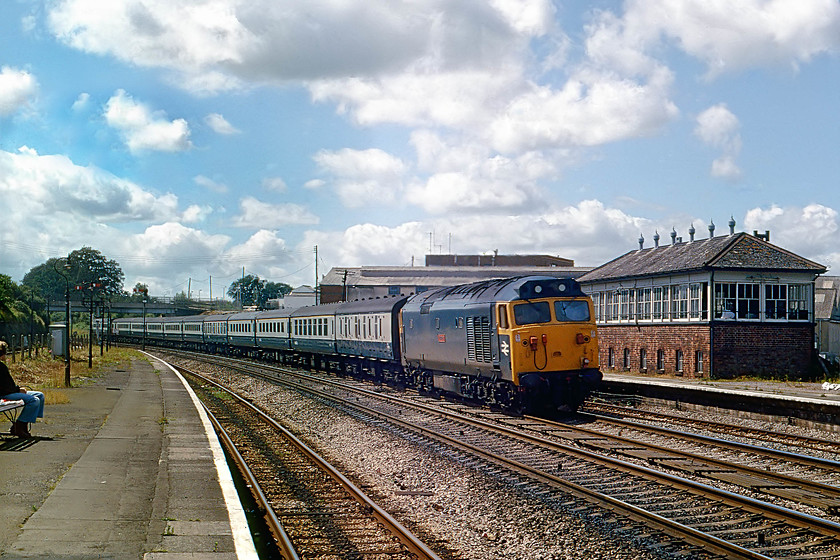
x=222 y=43
x=423 y=96
x=144 y=129
x=261 y=215
x=17 y=88
x=265 y=254
x=210 y=184
x=469 y=177
x=589 y=233
x=81 y=102
x=810 y=231
x=276 y=184
x=718 y=127
x=196 y=213
x=731 y=36
x=158 y=248
x=363 y=177
x=54 y=206
x=220 y=125
x=591 y=109
x=39 y=186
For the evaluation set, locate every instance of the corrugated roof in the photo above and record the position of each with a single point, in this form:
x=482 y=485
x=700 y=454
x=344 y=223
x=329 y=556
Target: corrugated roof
x=739 y=251
x=827 y=297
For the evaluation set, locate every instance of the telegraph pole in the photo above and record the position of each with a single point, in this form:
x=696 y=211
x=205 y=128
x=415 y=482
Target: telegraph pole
x=316 y=275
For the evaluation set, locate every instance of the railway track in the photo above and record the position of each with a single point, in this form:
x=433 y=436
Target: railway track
x=758 y=469
x=765 y=436
x=311 y=508
x=715 y=520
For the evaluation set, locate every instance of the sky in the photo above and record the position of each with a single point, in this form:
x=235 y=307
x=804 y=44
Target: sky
x=192 y=141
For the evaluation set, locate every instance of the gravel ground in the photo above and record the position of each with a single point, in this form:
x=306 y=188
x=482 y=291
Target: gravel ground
x=474 y=514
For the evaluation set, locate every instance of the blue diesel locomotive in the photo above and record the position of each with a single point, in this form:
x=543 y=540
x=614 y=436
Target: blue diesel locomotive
x=522 y=344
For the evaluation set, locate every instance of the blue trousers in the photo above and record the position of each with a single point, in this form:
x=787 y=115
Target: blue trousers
x=33 y=405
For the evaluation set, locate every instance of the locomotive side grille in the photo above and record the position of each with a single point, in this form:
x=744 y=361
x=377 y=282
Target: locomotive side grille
x=478 y=340
x=471 y=339
x=485 y=340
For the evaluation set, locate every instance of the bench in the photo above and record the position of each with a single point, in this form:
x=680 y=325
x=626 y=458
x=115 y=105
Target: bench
x=11 y=409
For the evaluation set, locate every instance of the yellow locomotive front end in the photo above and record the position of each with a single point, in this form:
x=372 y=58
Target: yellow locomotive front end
x=552 y=350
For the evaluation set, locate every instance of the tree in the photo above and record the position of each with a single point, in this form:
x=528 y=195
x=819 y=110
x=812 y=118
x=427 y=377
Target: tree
x=246 y=290
x=140 y=292
x=88 y=266
x=250 y=290
x=44 y=279
x=81 y=267
x=274 y=290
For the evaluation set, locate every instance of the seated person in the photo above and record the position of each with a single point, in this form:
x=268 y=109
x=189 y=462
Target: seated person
x=33 y=401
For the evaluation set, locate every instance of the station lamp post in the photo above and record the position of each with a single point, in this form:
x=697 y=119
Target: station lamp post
x=66 y=267
x=91 y=288
x=145 y=291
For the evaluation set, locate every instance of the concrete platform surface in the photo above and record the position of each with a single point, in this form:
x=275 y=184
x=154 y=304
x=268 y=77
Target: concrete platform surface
x=130 y=468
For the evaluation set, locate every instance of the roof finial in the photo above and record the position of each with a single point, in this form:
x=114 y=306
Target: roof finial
x=731 y=225
x=641 y=241
x=691 y=232
x=673 y=236
x=711 y=228
x=656 y=239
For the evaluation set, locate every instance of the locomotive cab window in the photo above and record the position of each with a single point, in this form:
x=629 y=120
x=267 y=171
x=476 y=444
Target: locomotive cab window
x=574 y=310
x=532 y=313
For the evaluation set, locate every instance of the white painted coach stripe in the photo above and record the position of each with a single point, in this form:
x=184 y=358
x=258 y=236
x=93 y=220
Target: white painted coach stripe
x=245 y=549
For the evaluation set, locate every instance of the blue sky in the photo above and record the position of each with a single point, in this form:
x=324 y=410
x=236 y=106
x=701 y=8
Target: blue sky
x=192 y=139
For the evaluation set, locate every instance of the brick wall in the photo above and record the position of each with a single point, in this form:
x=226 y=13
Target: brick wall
x=777 y=351
x=689 y=339
x=767 y=350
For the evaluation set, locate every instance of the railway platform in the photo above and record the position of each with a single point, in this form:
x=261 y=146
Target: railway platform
x=130 y=468
x=800 y=403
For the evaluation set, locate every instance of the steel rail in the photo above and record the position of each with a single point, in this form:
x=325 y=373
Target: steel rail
x=284 y=544
x=826 y=490
x=827 y=464
x=779 y=513
x=414 y=545
x=818 y=444
x=651 y=519
x=688 y=534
